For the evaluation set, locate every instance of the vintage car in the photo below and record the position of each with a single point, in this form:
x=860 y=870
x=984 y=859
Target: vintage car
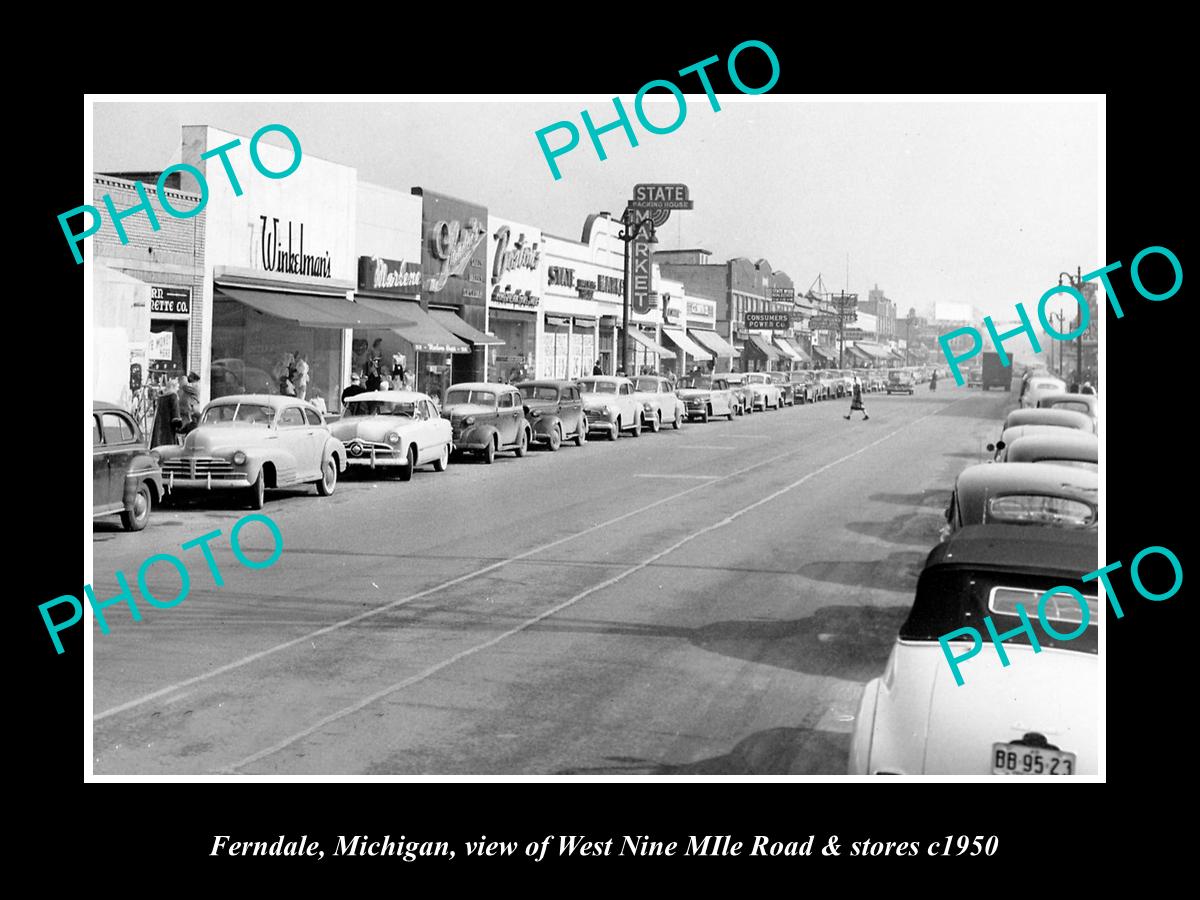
x=1066 y=447
x=705 y=397
x=1035 y=716
x=787 y=393
x=1016 y=432
x=1020 y=493
x=1088 y=404
x=760 y=391
x=609 y=405
x=659 y=403
x=899 y=382
x=486 y=419
x=554 y=409
x=250 y=442
x=125 y=478
x=846 y=377
x=393 y=430
x=1036 y=386
x=806 y=387
x=1060 y=418
x=832 y=381
x=743 y=396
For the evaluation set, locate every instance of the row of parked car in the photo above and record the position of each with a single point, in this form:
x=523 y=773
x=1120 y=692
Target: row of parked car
x=1016 y=526
x=248 y=443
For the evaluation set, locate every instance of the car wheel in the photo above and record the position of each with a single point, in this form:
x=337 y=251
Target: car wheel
x=729 y=415
x=678 y=420
x=616 y=430
x=135 y=519
x=406 y=471
x=440 y=464
x=329 y=480
x=555 y=440
x=489 y=453
x=523 y=444
x=704 y=415
x=636 y=431
x=581 y=438
x=655 y=425
x=257 y=492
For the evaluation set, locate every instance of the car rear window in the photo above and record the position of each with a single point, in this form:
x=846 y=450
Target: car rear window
x=1041 y=509
x=481 y=398
x=1061 y=607
x=598 y=387
x=539 y=392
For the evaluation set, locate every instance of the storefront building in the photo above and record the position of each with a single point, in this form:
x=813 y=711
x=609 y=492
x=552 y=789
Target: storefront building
x=516 y=262
x=702 y=329
x=146 y=337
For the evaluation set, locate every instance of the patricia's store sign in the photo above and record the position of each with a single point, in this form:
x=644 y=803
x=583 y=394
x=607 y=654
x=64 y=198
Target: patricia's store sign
x=515 y=251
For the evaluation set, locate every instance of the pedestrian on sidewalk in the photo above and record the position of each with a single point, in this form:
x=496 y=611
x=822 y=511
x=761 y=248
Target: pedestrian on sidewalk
x=856 y=401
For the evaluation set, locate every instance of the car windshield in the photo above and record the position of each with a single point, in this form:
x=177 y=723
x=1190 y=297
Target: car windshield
x=696 y=383
x=1041 y=509
x=649 y=385
x=479 y=398
x=756 y=379
x=250 y=413
x=598 y=387
x=356 y=407
x=538 y=392
x=1073 y=405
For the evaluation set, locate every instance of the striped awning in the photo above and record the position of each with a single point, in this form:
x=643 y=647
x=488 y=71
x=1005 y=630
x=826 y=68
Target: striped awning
x=681 y=340
x=651 y=345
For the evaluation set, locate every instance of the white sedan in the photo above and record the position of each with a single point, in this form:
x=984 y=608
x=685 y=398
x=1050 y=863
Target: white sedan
x=764 y=393
x=609 y=405
x=947 y=705
x=394 y=430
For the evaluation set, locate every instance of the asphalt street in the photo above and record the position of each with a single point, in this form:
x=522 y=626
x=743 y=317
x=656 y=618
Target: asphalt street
x=702 y=601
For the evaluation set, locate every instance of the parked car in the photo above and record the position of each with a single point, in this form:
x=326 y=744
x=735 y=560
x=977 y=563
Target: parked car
x=659 y=403
x=846 y=379
x=899 y=382
x=1065 y=447
x=705 y=396
x=1016 y=432
x=1035 y=716
x=251 y=442
x=394 y=431
x=1060 y=418
x=126 y=480
x=744 y=397
x=763 y=393
x=834 y=386
x=787 y=393
x=1036 y=386
x=1088 y=404
x=806 y=387
x=1022 y=493
x=554 y=410
x=609 y=405
x=487 y=419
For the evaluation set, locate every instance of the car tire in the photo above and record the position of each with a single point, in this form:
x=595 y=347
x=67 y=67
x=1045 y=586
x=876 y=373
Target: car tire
x=489 y=453
x=678 y=420
x=328 y=482
x=704 y=416
x=522 y=445
x=581 y=438
x=655 y=425
x=616 y=430
x=257 y=492
x=729 y=415
x=636 y=431
x=442 y=462
x=135 y=519
x=555 y=439
x=406 y=471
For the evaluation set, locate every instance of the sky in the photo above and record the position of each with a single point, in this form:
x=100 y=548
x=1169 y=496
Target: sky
x=976 y=202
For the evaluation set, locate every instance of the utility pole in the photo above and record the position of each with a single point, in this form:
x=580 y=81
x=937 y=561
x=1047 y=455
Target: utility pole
x=841 y=326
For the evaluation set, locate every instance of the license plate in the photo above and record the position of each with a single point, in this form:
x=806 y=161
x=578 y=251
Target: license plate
x=1017 y=759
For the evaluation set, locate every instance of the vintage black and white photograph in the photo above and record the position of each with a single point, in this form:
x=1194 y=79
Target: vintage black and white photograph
x=530 y=436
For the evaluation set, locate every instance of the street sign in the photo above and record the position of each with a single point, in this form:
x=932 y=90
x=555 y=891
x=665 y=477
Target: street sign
x=640 y=298
x=774 y=320
x=785 y=295
x=847 y=301
x=823 y=323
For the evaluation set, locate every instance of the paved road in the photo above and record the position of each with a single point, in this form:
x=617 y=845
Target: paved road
x=702 y=601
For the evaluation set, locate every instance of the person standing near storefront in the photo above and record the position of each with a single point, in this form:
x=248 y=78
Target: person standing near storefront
x=353 y=389
x=300 y=376
x=596 y=369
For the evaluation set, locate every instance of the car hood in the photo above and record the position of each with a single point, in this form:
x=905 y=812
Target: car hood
x=211 y=439
x=467 y=409
x=369 y=428
x=541 y=404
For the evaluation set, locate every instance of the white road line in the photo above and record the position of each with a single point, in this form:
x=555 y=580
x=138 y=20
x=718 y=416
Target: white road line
x=704 y=447
x=254 y=657
x=652 y=475
x=754 y=436
x=471 y=651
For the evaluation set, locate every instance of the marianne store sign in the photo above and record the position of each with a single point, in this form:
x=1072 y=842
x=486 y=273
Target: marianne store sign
x=289 y=258
x=388 y=275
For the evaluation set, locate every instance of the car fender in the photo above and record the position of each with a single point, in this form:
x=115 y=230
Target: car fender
x=283 y=460
x=864 y=730
x=545 y=423
x=480 y=434
x=333 y=447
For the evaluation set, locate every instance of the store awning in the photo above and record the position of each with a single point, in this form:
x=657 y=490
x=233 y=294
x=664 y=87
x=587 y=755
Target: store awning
x=787 y=349
x=788 y=344
x=713 y=341
x=829 y=354
x=897 y=355
x=454 y=323
x=763 y=347
x=680 y=340
x=426 y=335
x=650 y=345
x=860 y=354
x=314 y=312
x=875 y=351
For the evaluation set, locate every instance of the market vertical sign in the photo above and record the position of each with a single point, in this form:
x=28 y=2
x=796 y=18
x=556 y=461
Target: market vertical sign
x=641 y=299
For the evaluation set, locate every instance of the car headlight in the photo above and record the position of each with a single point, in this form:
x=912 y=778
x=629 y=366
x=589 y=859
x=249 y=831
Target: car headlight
x=469 y=420
x=156 y=456
x=647 y=407
x=604 y=410
x=239 y=458
x=392 y=438
x=535 y=413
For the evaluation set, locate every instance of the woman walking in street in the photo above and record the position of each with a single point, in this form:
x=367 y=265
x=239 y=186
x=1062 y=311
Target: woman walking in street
x=856 y=401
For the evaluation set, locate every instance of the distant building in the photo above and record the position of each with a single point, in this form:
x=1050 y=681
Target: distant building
x=884 y=311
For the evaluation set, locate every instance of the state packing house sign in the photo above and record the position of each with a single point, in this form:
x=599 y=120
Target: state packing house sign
x=653 y=202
